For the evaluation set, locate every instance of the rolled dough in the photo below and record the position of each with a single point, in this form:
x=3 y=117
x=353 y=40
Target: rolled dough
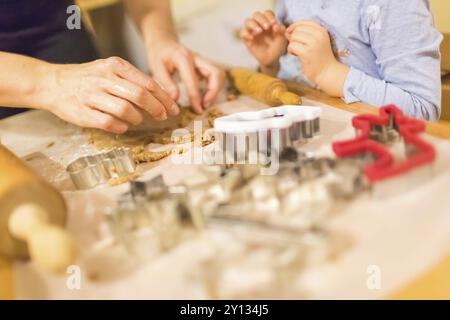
x=152 y=132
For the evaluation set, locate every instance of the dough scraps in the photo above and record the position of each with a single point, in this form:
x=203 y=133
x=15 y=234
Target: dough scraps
x=154 y=132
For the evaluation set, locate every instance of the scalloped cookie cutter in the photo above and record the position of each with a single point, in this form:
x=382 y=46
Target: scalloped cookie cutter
x=243 y=132
x=91 y=171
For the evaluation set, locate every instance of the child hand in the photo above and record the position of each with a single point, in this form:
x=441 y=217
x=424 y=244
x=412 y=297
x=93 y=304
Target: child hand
x=311 y=43
x=265 y=39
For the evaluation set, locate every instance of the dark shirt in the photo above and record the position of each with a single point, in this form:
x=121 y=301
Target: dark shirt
x=38 y=28
x=23 y=22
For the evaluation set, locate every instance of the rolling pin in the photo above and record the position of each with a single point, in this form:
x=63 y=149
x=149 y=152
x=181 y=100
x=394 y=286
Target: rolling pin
x=32 y=216
x=268 y=90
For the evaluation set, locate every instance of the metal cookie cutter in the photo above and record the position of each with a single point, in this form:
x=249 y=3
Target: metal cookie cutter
x=263 y=131
x=375 y=130
x=91 y=171
x=143 y=191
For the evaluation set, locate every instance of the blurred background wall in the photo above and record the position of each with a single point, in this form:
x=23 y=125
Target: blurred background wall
x=209 y=27
x=441 y=10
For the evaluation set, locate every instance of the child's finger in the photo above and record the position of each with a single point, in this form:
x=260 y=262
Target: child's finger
x=309 y=29
x=300 y=23
x=295 y=33
x=297 y=49
x=279 y=28
x=289 y=31
x=303 y=38
x=262 y=20
x=315 y=28
x=270 y=16
x=253 y=26
x=309 y=24
x=245 y=35
x=292 y=27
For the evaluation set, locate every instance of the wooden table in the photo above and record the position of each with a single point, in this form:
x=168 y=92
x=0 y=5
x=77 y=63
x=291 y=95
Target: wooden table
x=6 y=280
x=434 y=284
x=439 y=129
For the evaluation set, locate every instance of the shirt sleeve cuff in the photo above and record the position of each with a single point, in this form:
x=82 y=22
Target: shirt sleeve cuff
x=352 y=85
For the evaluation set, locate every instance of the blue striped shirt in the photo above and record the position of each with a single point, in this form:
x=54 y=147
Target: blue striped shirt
x=391 y=47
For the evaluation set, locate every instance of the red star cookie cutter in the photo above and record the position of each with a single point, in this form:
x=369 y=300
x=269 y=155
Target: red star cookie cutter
x=419 y=152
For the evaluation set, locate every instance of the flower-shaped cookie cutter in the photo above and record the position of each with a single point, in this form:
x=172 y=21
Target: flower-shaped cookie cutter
x=261 y=131
x=91 y=171
x=373 y=130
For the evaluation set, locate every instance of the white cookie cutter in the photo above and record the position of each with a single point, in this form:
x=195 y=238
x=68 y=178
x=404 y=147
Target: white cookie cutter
x=272 y=118
x=264 y=130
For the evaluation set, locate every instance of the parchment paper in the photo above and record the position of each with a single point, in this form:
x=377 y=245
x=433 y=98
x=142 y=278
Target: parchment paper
x=402 y=227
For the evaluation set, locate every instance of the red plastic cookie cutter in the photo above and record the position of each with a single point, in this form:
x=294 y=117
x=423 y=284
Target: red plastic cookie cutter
x=419 y=152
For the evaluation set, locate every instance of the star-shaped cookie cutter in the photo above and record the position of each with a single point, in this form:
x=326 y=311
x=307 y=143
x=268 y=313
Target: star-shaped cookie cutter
x=373 y=131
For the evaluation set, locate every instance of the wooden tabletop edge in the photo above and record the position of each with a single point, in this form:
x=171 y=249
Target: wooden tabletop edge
x=440 y=129
x=6 y=280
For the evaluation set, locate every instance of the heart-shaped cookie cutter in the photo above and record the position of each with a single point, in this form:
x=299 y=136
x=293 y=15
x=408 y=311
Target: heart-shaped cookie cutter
x=91 y=171
x=262 y=131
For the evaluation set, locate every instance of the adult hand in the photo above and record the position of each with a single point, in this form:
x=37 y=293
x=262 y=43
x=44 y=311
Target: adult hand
x=168 y=56
x=108 y=94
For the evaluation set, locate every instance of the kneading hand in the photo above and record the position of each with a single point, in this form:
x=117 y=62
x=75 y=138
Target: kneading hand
x=108 y=94
x=167 y=56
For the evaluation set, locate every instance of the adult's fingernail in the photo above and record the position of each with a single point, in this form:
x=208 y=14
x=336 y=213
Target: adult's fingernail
x=174 y=109
x=121 y=128
x=162 y=116
x=199 y=110
x=207 y=104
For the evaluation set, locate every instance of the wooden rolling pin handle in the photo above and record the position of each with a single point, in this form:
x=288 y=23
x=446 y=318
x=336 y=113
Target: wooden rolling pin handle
x=50 y=247
x=288 y=98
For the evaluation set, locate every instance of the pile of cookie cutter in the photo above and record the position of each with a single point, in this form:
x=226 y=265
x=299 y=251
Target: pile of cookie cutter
x=170 y=220
x=91 y=171
x=266 y=131
x=239 y=200
x=374 y=132
x=150 y=215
